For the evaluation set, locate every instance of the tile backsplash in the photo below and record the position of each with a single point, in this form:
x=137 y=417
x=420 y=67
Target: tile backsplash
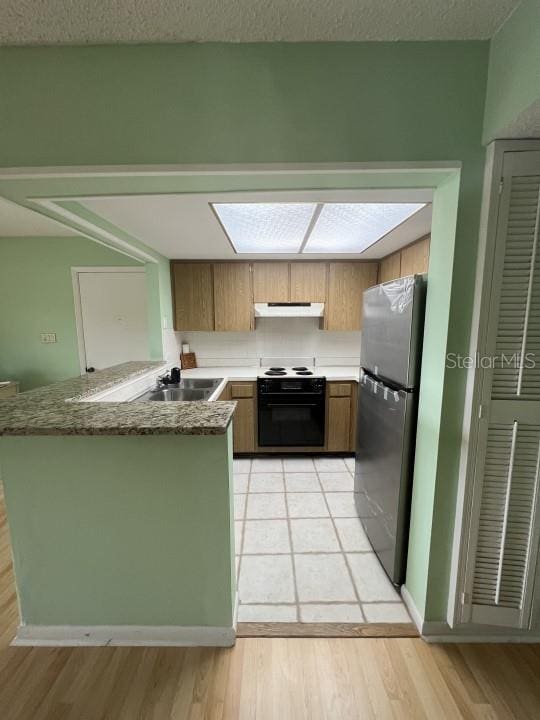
x=273 y=337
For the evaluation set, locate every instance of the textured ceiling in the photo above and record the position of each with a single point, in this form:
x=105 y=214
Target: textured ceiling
x=47 y=22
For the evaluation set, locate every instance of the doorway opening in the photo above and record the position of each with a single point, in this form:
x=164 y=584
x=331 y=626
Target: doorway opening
x=111 y=316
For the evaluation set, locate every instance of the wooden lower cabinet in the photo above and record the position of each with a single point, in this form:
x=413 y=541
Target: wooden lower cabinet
x=245 y=417
x=341 y=399
x=341 y=416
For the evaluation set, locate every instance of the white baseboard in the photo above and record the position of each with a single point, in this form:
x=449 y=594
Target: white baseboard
x=125 y=635
x=441 y=632
x=235 y=611
x=456 y=636
x=417 y=619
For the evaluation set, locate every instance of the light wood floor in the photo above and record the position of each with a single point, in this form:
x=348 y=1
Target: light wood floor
x=263 y=678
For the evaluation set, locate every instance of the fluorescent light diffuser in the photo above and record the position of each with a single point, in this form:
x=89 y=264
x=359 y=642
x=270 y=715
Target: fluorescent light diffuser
x=265 y=227
x=353 y=227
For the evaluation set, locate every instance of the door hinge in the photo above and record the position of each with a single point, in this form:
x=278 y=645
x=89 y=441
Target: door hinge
x=465 y=598
x=501 y=185
x=480 y=411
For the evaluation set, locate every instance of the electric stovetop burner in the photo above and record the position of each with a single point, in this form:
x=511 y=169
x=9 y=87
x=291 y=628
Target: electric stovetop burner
x=302 y=370
x=276 y=371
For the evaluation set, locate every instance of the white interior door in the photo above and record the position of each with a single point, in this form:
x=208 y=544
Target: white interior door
x=113 y=317
x=505 y=513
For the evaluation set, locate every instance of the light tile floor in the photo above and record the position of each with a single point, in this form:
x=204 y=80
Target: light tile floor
x=302 y=554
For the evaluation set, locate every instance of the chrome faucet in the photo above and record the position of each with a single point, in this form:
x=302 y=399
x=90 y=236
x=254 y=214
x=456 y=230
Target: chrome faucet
x=172 y=378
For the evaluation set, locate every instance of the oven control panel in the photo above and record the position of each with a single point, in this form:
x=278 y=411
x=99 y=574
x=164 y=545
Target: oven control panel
x=298 y=386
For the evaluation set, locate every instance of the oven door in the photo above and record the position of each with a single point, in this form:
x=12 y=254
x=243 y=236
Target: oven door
x=291 y=420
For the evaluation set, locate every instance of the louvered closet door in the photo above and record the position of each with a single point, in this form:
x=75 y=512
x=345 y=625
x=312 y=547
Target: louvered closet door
x=506 y=513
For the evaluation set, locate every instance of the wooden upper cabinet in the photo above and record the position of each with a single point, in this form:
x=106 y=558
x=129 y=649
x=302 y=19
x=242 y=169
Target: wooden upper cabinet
x=270 y=282
x=233 y=297
x=390 y=268
x=308 y=282
x=346 y=283
x=193 y=296
x=415 y=258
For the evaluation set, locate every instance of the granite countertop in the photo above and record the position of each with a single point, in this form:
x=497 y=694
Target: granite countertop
x=60 y=409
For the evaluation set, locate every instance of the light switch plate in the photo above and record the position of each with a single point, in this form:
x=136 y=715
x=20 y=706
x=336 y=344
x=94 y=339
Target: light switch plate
x=48 y=337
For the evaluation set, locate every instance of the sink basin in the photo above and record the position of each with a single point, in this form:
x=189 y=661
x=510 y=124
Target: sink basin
x=176 y=394
x=202 y=384
x=187 y=391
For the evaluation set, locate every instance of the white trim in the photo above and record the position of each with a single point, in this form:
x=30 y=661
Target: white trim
x=437 y=632
x=224 y=169
x=125 y=635
x=117 y=244
x=75 y=272
x=459 y=603
x=416 y=617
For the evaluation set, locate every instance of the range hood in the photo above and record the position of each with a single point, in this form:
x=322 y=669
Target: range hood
x=281 y=310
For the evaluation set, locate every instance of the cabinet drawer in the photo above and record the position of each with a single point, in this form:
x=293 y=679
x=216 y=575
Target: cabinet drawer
x=339 y=389
x=239 y=390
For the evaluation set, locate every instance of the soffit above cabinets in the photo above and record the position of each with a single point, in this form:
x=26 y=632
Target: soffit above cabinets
x=185 y=225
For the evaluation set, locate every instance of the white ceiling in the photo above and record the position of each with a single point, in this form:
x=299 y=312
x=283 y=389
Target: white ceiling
x=17 y=221
x=185 y=227
x=27 y=22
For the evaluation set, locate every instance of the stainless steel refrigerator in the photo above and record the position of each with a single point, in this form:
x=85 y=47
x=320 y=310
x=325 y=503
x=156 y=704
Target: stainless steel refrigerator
x=391 y=348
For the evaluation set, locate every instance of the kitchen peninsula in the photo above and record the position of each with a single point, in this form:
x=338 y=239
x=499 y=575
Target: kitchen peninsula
x=119 y=513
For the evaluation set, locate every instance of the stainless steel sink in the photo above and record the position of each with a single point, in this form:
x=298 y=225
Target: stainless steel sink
x=176 y=395
x=200 y=384
x=187 y=391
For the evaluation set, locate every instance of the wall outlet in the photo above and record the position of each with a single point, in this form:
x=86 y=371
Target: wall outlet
x=48 y=337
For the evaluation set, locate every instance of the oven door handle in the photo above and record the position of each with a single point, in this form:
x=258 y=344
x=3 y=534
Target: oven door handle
x=291 y=405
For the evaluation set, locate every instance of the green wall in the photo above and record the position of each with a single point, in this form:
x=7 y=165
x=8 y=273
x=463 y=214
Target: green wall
x=331 y=102
x=268 y=102
x=36 y=295
x=121 y=530
x=514 y=69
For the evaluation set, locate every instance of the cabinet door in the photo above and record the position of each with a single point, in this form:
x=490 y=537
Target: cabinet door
x=308 y=282
x=244 y=416
x=233 y=298
x=339 y=398
x=346 y=283
x=339 y=424
x=415 y=258
x=193 y=296
x=390 y=268
x=271 y=282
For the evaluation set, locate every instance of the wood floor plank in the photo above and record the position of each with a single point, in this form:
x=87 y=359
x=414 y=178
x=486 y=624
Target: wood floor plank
x=265 y=678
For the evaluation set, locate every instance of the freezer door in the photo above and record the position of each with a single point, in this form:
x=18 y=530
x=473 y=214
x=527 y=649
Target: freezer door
x=383 y=473
x=392 y=329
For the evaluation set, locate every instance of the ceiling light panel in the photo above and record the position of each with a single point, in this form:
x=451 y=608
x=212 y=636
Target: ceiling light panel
x=265 y=227
x=353 y=227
